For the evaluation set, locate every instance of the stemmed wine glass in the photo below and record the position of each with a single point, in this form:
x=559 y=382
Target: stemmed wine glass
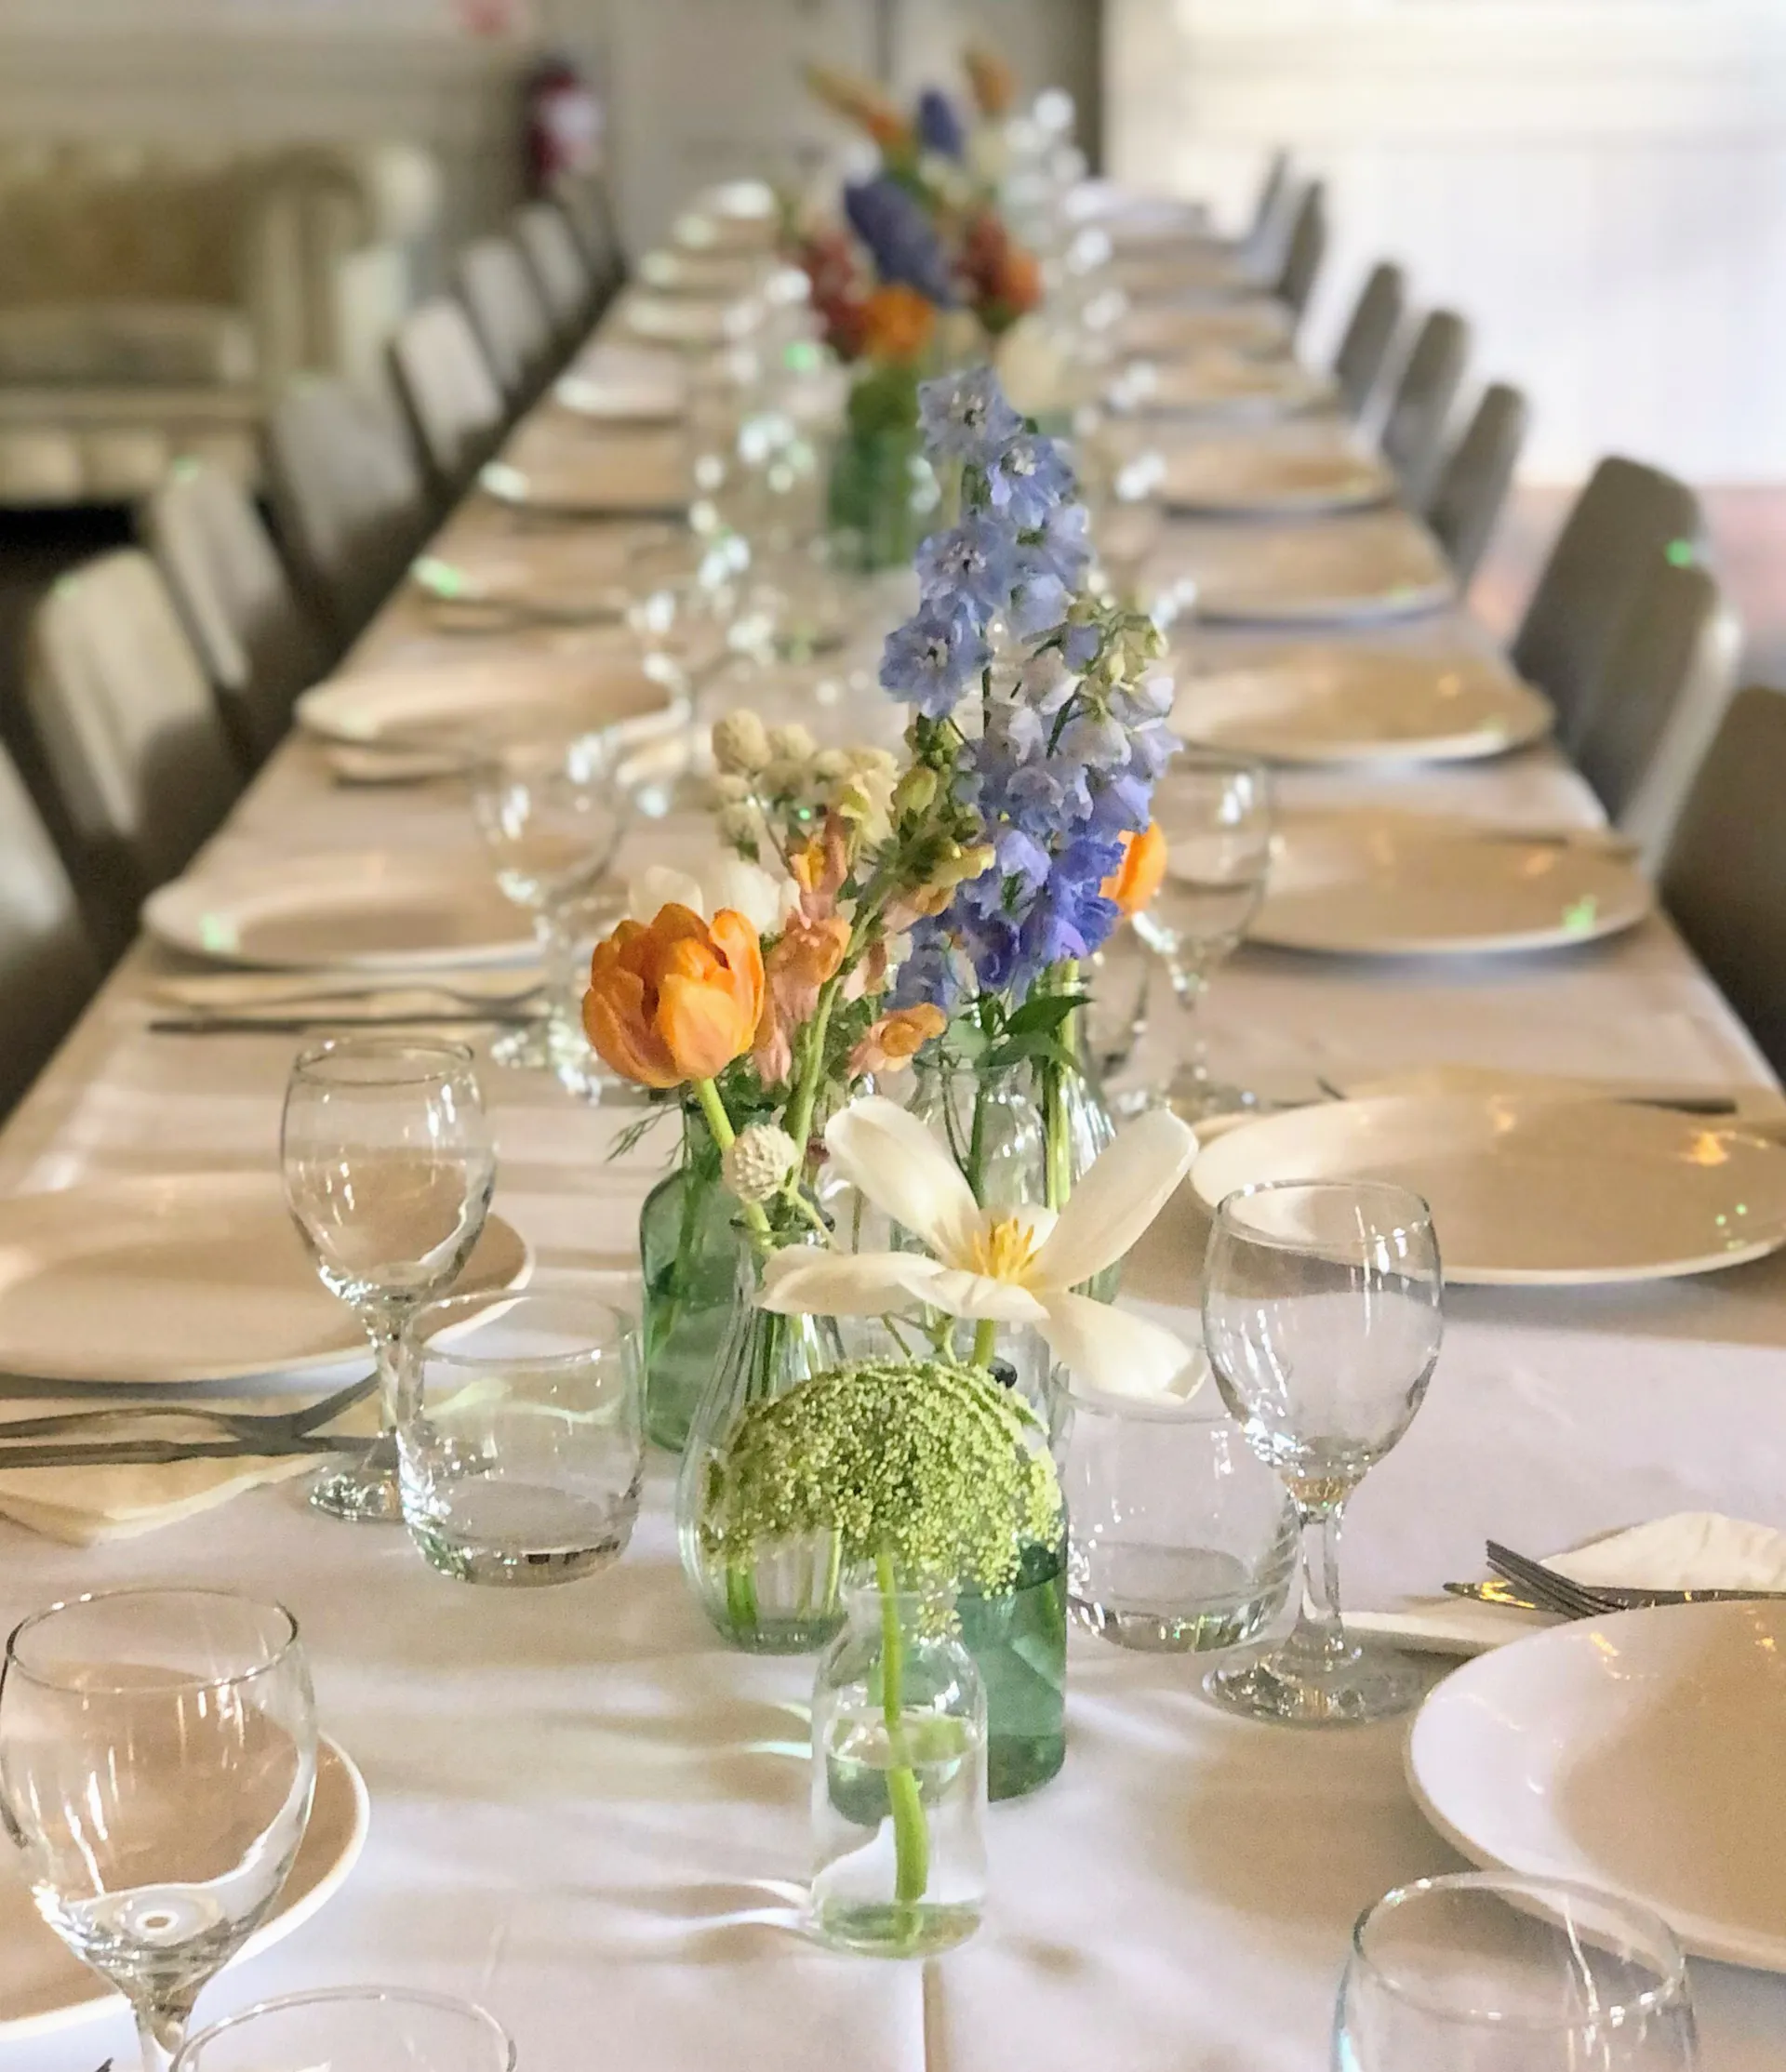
x=1497 y=1972
x=158 y=1757
x=389 y=1169
x=552 y=814
x=1321 y=1321
x=1215 y=813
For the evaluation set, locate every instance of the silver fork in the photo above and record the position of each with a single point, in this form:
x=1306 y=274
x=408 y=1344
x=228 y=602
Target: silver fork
x=240 y=1424
x=1553 y=1592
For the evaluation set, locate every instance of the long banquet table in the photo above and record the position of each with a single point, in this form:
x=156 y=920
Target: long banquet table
x=591 y=1815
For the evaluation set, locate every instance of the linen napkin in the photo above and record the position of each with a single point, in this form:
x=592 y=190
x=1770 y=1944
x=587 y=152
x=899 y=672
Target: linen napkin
x=1688 y=1550
x=85 y=1507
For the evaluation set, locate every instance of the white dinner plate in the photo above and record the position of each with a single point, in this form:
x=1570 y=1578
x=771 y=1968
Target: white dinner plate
x=1187 y=274
x=43 y=1988
x=1225 y=385
x=695 y=323
x=391 y=909
x=1263 y=478
x=718 y=276
x=484 y=698
x=1639 y=1753
x=1381 y=884
x=1355 y=703
x=184 y=1277
x=1363 y=570
x=1161 y=332
x=1532 y=1192
x=629 y=473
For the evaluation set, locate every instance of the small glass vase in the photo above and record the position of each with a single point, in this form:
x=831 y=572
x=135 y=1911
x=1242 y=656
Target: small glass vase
x=689 y=1252
x=1019 y=1642
x=898 y=1777
x=882 y=496
x=788 y=1599
x=991 y=1127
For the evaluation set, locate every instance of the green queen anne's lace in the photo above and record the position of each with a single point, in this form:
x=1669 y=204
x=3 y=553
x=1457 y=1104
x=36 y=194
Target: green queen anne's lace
x=934 y=1465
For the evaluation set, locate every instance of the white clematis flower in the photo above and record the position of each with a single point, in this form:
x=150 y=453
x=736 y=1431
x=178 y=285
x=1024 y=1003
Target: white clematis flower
x=764 y=900
x=1019 y=1269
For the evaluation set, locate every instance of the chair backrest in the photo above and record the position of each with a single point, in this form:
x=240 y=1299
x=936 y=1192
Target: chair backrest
x=1420 y=406
x=1724 y=877
x=454 y=404
x=1308 y=247
x=47 y=968
x=1370 y=331
x=560 y=271
x=130 y=733
x=508 y=314
x=347 y=493
x=1626 y=515
x=589 y=209
x=260 y=647
x=1662 y=692
x=1473 y=484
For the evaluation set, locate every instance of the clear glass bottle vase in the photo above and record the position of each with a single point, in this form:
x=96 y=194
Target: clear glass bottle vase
x=898 y=1776
x=788 y=1599
x=690 y=1249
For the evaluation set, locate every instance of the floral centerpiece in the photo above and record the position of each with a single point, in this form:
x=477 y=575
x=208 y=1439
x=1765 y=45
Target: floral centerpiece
x=921 y=273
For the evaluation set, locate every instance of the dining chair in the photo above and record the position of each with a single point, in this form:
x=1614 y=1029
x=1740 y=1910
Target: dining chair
x=1662 y=691
x=1626 y=515
x=589 y=210
x=1466 y=501
x=508 y=313
x=1723 y=877
x=1307 y=248
x=560 y=271
x=1419 y=407
x=47 y=968
x=1370 y=331
x=258 y=643
x=131 y=734
x=454 y=405
x=347 y=494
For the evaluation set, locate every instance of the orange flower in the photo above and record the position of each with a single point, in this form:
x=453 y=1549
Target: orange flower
x=897 y=323
x=1135 y=881
x=994 y=82
x=861 y=102
x=1019 y=280
x=810 y=951
x=896 y=1039
x=678 y=1000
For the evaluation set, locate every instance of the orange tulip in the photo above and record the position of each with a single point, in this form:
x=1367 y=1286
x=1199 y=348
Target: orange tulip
x=677 y=1000
x=1135 y=881
x=897 y=323
x=992 y=81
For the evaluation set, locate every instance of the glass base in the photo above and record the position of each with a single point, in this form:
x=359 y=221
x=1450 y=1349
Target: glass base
x=922 y=1930
x=363 y=1491
x=1194 y=1098
x=1369 y=1682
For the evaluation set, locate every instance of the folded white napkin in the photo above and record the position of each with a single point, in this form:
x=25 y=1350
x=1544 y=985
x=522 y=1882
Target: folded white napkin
x=1690 y=1551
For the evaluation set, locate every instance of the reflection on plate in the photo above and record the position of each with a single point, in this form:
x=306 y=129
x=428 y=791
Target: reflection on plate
x=484 y=698
x=189 y=1277
x=43 y=1988
x=1389 y=885
x=396 y=909
x=1638 y=1754
x=1531 y=1192
x=1361 y=704
x=1377 y=566
x=1223 y=385
x=1263 y=478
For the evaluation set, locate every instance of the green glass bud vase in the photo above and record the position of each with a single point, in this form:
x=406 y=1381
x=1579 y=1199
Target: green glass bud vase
x=787 y=1598
x=689 y=1251
x=882 y=496
x=1018 y=1642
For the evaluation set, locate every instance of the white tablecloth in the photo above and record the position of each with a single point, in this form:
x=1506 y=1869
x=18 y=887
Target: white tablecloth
x=588 y=1814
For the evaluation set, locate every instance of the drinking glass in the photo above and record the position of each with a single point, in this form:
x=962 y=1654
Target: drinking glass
x=1487 y=1971
x=389 y=1169
x=522 y=1435
x=1215 y=813
x=1321 y=1321
x=353 y=2028
x=158 y=1756
x=552 y=814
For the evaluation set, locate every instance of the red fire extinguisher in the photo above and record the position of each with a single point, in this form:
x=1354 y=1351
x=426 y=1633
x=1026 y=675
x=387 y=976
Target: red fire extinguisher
x=564 y=123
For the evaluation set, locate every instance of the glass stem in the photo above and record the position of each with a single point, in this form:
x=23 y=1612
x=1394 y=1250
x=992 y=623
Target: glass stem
x=384 y=1327
x=1190 y=982
x=161 y=2029
x=1319 y=1635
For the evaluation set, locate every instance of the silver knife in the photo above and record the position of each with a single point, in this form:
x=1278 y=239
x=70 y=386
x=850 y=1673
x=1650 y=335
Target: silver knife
x=302 y=1025
x=167 y=1453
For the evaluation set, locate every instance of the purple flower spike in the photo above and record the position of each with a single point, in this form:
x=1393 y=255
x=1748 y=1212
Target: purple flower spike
x=966 y=417
x=975 y=565
x=1029 y=480
x=932 y=658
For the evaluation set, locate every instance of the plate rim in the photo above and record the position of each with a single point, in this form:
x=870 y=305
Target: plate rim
x=272 y=1932
x=1466 y=1275
x=314 y=707
x=1691 y=1939
x=248 y=1179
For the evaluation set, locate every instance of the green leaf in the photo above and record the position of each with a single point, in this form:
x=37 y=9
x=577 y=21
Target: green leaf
x=1045 y=1011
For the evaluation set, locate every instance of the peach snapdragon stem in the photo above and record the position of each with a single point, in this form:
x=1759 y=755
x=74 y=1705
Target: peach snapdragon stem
x=725 y=1135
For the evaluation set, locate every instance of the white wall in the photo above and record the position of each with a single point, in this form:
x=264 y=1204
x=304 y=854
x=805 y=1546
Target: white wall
x=1600 y=185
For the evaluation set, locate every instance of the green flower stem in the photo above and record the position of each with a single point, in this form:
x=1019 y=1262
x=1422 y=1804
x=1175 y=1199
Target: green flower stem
x=985 y=1341
x=1064 y=978
x=805 y=1098
x=911 y=1837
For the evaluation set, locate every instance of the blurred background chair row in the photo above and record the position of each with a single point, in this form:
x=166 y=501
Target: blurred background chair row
x=157 y=678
